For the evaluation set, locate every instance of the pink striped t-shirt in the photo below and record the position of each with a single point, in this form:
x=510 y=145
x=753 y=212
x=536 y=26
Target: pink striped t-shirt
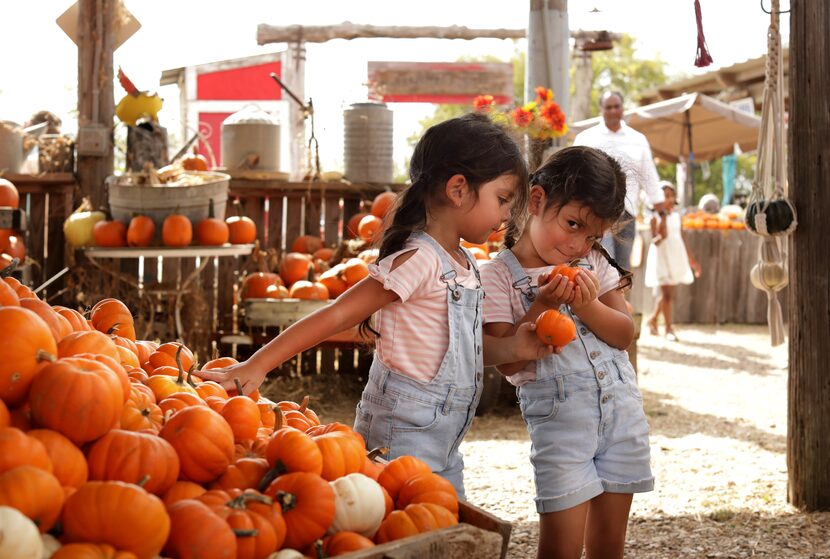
x=414 y=333
x=503 y=302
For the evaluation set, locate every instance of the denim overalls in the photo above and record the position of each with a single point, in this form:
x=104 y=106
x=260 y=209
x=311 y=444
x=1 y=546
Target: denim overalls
x=584 y=414
x=429 y=419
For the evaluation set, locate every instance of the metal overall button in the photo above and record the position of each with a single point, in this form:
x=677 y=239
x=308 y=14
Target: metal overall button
x=455 y=289
x=594 y=354
x=601 y=375
x=605 y=398
x=583 y=331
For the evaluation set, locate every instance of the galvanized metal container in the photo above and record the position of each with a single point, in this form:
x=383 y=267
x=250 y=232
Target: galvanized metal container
x=367 y=148
x=251 y=140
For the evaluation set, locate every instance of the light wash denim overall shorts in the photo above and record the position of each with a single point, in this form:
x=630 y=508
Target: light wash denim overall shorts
x=429 y=419
x=584 y=414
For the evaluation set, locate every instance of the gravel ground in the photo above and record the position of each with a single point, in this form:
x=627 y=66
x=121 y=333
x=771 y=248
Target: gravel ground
x=716 y=402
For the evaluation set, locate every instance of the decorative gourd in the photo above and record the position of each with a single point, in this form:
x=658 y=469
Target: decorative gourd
x=307 y=502
x=569 y=272
x=196 y=532
x=428 y=488
x=359 y=505
x=414 y=519
x=134 y=457
x=27 y=341
x=166 y=355
x=68 y=462
x=399 y=471
x=120 y=514
x=19 y=537
x=203 y=441
x=212 y=231
x=80 y=398
x=35 y=493
x=176 y=231
x=252 y=449
x=141 y=231
x=77 y=229
x=555 y=328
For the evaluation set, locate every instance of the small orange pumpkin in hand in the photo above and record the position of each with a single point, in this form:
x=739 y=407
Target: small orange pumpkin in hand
x=569 y=272
x=554 y=328
x=176 y=231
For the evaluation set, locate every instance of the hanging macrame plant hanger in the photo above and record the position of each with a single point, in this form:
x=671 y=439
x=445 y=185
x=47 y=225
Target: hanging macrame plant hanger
x=769 y=213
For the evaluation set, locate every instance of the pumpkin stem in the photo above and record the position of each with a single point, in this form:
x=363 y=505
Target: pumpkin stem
x=180 y=378
x=304 y=404
x=271 y=475
x=245 y=533
x=286 y=500
x=211 y=215
x=375 y=452
x=318 y=549
x=278 y=420
x=43 y=355
x=143 y=481
x=112 y=329
x=190 y=375
x=238 y=387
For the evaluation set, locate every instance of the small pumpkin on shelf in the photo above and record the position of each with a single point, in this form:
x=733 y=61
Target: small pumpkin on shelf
x=176 y=230
x=212 y=231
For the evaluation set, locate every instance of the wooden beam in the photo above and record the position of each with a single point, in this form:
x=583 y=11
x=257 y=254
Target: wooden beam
x=96 y=106
x=347 y=30
x=808 y=444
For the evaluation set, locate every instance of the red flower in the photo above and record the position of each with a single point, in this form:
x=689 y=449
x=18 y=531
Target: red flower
x=543 y=95
x=521 y=116
x=484 y=103
x=554 y=115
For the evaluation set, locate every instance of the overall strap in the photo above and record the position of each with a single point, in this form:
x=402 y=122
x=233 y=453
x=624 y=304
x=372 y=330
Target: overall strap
x=521 y=280
x=448 y=273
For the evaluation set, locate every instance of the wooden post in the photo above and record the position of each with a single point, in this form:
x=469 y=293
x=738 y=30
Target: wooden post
x=583 y=83
x=808 y=443
x=95 y=97
x=294 y=78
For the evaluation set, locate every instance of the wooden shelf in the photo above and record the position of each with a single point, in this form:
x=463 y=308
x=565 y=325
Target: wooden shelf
x=43 y=183
x=249 y=187
x=169 y=252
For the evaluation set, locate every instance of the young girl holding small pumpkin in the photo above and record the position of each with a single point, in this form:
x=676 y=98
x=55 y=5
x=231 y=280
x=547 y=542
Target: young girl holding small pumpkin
x=582 y=407
x=426 y=378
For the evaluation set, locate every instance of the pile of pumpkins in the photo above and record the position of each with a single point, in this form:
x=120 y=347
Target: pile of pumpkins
x=94 y=228
x=723 y=220
x=307 y=272
x=113 y=447
x=11 y=243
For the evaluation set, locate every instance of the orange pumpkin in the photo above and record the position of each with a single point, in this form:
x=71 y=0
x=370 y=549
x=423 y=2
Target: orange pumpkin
x=14 y=247
x=140 y=410
x=307 y=502
x=166 y=355
x=203 y=440
x=370 y=228
x=342 y=454
x=354 y=270
x=58 y=325
x=194 y=162
x=309 y=290
x=308 y=244
x=134 y=457
x=256 y=520
x=260 y=285
x=325 y=254
x=242 y=229
x=91 y=551
x=353 y=225
x=345 y=542
x=8 y=297
x=182 y=490
x=76 y=319
x=555 y=328
x=428 y=488
x=255 y=448
x=80 y=398
x=27 y=341
x=382 y=203
x=110 y=233
x=399 y=471
x=176 y=231
x=18 y=448
x=9 y=197
x=212 y=231
x=69 y=463
x=197 y=532
x=111 y=315
x=244 y=473
x=21 y=290
x=35 y=493
x=414 y=519
x=295 y=266
x=290 y=450
x=569 y=272
x=5 y=420
x=120 y=514
x=242 y=414
x=141 y=231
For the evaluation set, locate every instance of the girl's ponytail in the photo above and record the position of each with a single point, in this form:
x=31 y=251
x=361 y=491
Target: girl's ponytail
x=409 y=214
x=625 y=276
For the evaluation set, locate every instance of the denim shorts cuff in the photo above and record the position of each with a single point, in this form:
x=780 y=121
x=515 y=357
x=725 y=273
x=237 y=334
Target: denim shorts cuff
x=570 y=500
x=641 y=486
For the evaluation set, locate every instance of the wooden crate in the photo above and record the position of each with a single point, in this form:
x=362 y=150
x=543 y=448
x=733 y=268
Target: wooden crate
x=47 y=200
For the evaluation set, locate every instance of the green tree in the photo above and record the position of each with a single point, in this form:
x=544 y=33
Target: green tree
x=708 y=176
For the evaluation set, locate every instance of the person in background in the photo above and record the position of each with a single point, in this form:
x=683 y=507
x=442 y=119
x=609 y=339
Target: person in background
x=670 y=263
x=631 y=150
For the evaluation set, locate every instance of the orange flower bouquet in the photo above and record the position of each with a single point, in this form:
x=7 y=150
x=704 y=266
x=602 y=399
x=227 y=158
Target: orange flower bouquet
x=541 y=119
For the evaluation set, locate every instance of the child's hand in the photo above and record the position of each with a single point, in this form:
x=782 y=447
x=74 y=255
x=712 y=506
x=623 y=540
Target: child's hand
x=528 y=346
x=586 y=290
x=555 y=291
x=249 y=376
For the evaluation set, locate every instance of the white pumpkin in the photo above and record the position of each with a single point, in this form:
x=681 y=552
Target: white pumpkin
x=286 y=554
x=19 y=537
x=77 y=229
x=51 y=545
x=359 y=505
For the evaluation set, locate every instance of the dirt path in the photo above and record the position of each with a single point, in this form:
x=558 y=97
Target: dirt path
x=716 y=402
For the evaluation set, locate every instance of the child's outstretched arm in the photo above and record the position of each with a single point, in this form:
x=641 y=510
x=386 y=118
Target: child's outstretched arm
x=350 y=309
x=522 y=346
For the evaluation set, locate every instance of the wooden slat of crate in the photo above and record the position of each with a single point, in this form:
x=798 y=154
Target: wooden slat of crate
x=275 y=221
x=294 y=218
x=35 y=240
x=333 y=220
x=254 y=208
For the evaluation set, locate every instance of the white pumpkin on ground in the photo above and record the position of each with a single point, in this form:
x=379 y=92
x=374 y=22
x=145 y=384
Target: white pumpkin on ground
x=359 y=505
x=19 y=537
x=50 y=545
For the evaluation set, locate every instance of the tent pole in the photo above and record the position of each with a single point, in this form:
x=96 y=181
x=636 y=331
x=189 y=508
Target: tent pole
x=689 y=191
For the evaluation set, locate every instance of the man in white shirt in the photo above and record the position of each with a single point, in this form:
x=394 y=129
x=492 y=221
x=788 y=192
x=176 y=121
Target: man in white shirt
x=630 y=148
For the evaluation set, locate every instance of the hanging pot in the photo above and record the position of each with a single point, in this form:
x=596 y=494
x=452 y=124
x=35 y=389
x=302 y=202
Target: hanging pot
x=779 y=217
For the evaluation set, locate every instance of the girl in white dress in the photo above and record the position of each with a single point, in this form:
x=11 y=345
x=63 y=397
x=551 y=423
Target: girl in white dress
x=669 y=263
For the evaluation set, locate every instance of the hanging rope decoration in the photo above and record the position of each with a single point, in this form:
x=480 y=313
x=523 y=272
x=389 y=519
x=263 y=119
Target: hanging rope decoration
x=769 y=213
x=702 y=56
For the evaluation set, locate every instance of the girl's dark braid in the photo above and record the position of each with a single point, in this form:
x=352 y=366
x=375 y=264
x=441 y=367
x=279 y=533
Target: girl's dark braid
x=625 y=276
